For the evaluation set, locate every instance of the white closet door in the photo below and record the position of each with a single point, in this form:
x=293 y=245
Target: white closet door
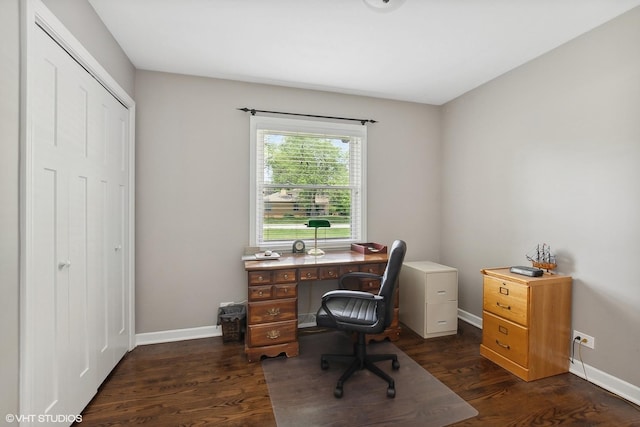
x=112 y=290
x=77 y=298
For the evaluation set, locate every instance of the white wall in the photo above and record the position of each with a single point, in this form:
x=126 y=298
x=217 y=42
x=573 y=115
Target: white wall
x=192 y=193
x=9 y=219
x=549 y=153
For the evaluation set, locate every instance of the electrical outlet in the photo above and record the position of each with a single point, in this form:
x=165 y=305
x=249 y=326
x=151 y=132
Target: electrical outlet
x=225 y=304
x=586 y=340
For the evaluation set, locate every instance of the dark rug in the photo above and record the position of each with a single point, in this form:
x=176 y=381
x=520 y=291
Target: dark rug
x=302 y=393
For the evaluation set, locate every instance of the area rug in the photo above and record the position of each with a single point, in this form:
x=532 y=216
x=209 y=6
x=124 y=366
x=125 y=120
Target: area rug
x=302 y=393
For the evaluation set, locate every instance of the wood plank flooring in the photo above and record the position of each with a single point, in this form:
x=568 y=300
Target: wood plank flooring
x=208 y=382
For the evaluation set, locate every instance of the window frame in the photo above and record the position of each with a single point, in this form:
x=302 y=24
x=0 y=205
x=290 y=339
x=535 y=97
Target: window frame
x=258 y=123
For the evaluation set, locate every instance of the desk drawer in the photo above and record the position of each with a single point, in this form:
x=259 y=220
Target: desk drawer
x=272 y=311
x=349 y=268
x=506 y=338
x=372 y=286
x=372 y=268
x=289 y=290
x=259 y=277
x=309 y=273
x=506 y=299
x=260 y=293
x=284 y=276
x=272 y=333
x=328 y=273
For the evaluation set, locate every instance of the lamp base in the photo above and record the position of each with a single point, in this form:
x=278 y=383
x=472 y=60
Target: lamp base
x=315 y=252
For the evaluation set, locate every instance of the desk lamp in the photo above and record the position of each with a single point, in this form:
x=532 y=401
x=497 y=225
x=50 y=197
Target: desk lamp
x=317 y=223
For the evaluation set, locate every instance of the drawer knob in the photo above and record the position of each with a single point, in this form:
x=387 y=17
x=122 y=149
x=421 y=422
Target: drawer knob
x=260 y=278
x=274 y=334
x=260 y=293
x=286 y=276
x=506 y=307
x=506 y=346
x=274 y=311
x=308 y=274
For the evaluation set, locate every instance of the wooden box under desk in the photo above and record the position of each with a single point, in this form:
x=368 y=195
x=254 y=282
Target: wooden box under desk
x=526 y=322
x=272 y=314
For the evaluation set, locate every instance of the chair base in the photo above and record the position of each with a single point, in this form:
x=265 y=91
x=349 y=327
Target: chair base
x=361 y=360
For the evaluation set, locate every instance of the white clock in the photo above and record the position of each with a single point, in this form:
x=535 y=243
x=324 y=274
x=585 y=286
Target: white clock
x=298 y=247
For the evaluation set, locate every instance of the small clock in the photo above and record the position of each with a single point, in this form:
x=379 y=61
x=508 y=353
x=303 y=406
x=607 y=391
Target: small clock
x=298 y=247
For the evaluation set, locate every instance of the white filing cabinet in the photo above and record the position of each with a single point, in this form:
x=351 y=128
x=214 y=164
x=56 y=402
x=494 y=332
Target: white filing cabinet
x=429 y=298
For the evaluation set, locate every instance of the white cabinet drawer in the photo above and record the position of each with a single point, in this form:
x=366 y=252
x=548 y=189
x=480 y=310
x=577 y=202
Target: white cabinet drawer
x=442 y=317
x=442 y=287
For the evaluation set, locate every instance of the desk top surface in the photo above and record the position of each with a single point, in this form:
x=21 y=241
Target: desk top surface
x=304 y=260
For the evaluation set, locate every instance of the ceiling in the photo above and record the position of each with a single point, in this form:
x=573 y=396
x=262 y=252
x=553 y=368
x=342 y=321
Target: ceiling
x=427 y=51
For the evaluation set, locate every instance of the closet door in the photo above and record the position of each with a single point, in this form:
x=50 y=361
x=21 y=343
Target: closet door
x=112 y=294
x=77 y=293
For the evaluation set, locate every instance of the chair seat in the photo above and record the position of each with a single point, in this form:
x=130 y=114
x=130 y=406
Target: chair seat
x=350 y=310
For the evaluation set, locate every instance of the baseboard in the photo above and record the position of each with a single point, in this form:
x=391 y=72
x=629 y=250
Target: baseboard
x=595 y=376
x=178 y=335
x=608 y=382
x=471 y=319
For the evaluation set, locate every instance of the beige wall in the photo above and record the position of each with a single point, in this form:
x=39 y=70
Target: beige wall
x=84 y=23
x=549 y=153
x=192 y=193
x=9 y=220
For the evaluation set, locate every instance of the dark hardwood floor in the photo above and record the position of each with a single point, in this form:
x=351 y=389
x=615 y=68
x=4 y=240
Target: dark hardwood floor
x=208 y=382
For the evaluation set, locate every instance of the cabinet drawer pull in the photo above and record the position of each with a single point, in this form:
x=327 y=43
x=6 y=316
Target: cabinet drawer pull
x=506 y=346
x=260 y=293
x=274 y=334
x=274 y=311
x=308 y=274
x=504 y=291
x=506 y=307
x=286 y=276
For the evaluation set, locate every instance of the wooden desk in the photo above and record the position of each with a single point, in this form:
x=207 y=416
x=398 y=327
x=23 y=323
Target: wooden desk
x=272 y=315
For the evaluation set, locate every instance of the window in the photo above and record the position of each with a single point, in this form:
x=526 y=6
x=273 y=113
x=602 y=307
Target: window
x=303 y=170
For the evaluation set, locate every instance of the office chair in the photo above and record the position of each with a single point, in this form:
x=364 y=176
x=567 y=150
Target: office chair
x=363 y=313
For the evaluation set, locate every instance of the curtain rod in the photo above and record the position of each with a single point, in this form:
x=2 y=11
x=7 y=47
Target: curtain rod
x=253 y=112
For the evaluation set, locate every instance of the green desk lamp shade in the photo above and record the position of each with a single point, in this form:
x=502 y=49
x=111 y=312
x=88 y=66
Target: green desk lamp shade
x=317 y=223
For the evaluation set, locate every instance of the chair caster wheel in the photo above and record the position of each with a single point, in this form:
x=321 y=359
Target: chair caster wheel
x=391 y=392
x=395 y=365
x=338 y=392
x=324 y=365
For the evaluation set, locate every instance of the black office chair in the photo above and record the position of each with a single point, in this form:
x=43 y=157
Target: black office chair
x=363 y=313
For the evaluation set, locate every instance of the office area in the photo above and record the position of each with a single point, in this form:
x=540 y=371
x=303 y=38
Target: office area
x=545 y=151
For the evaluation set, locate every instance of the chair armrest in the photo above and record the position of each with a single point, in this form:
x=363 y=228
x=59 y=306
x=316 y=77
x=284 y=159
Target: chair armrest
x=345 y=293
x=357 y=275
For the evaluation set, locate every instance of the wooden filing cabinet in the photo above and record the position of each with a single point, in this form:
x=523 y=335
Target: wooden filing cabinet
x=429 y=298
x=526 y=322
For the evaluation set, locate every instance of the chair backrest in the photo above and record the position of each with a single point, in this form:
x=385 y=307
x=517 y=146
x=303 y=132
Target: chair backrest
x=390 y=277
